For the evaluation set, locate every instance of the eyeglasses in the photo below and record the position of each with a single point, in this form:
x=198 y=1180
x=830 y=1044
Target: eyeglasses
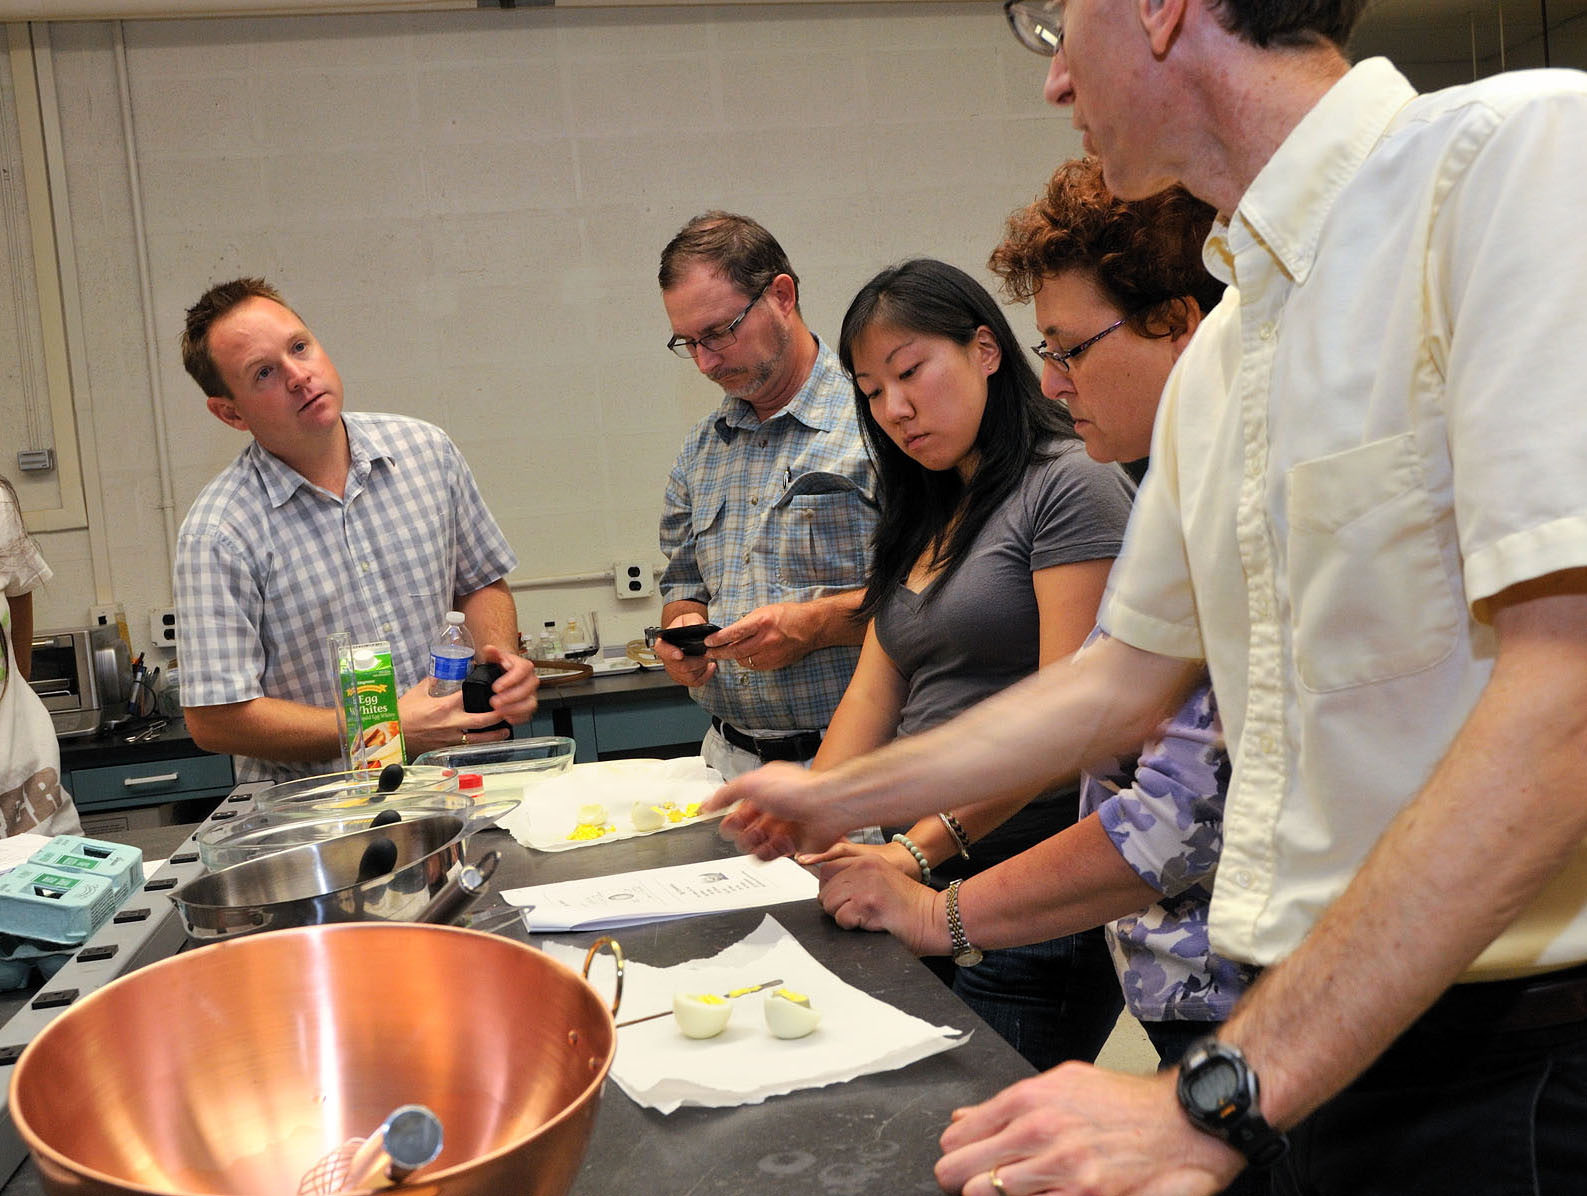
x=1039 y=24
x=1061 y=358
x=716 y=341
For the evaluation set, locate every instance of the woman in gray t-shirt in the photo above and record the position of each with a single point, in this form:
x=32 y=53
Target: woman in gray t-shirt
x=993 y=546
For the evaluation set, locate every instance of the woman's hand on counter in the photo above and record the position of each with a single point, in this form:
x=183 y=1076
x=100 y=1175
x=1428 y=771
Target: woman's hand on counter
x=893 y=855
x=871 y=892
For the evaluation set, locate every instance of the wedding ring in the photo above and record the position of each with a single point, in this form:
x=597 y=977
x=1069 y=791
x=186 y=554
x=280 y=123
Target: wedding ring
x=749 y=660
x=465 y=738
x=997 y=1183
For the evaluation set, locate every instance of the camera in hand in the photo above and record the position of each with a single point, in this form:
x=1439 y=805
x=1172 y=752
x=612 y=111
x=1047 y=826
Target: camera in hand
x=690 y=638
x=477 y=691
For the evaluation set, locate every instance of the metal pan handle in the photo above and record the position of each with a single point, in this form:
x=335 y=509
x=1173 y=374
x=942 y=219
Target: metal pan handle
x=616 y=950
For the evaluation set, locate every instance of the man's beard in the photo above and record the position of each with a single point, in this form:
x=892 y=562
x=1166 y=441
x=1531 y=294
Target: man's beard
x=761 y=372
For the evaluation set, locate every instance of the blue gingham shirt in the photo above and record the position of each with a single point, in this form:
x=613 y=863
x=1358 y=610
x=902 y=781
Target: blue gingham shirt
x=268 y=566
x=781 y=511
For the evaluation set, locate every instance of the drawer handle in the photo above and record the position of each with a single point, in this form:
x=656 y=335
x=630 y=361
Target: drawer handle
x=163 y=779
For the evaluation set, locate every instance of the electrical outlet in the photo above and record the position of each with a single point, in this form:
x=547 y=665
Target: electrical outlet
x=162 y=626
x=633 y=579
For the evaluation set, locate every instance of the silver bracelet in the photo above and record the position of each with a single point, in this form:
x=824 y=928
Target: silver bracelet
x=920 y=857
x=961 y=841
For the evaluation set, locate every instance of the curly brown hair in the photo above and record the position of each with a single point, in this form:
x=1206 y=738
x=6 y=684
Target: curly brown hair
x=1145 y=255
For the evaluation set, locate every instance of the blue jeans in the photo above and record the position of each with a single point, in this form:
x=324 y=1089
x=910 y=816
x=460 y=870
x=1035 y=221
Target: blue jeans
x=1052 y=1001
x=1453 y=1106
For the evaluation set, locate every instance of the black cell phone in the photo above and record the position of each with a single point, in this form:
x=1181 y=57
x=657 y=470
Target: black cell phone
x=689 y=639
x=477 y=690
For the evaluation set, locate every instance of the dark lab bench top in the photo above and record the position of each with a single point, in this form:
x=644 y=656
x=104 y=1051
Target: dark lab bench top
x=874 y=1134
x=97 y=751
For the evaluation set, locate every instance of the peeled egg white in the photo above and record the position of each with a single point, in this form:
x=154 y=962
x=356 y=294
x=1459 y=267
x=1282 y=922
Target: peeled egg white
x=593 y=814
x=700 y=1015
x=788 y=1014
x=646 y=817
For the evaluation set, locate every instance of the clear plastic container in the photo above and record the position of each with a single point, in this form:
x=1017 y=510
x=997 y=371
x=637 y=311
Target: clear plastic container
x=505 y=767
x=268 y=831
x=353 y=792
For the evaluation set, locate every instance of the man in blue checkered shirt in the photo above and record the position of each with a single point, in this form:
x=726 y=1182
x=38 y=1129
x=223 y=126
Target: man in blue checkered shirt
x=771 y=504
x=326 y=522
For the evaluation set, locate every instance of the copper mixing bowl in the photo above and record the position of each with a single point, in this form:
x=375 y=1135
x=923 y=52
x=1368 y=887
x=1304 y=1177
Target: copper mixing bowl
x=233 y=1069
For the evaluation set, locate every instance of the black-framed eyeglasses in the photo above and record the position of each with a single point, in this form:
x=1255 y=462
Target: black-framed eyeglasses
x=718 y=340
x=1062 y=357
x=1039 y=24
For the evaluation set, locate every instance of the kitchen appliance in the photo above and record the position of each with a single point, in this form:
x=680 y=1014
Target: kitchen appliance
x=83 y=675
x=237 y=1067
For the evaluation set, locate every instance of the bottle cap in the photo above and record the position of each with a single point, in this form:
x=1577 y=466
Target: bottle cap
x=470 y=780
x=454 y=617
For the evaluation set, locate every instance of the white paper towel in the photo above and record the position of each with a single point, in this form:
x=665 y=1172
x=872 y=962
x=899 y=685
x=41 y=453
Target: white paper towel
x=658 y=1067
x=549 y=812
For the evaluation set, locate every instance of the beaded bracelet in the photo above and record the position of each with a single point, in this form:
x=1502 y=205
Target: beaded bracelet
x=961 y=841
x=920 y=857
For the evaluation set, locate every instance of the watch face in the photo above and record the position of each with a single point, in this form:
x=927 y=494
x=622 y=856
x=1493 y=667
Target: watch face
x=1213 y=1085
x=967 y=957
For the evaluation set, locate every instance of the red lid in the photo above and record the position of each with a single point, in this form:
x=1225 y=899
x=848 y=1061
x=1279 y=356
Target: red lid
x=470 y=780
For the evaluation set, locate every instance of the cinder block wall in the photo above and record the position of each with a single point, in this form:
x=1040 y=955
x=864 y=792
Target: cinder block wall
x=468 y=208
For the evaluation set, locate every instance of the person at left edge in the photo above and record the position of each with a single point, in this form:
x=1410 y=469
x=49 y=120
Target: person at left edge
x=327 y=521
x=770 y=507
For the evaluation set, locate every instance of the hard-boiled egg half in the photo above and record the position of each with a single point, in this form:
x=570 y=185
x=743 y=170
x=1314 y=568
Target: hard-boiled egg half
x=647 y=817
x=788 y=1014
x=701 y=1015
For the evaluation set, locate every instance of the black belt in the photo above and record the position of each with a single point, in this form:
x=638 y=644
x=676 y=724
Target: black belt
x=800 y=746
x=1526 y=1003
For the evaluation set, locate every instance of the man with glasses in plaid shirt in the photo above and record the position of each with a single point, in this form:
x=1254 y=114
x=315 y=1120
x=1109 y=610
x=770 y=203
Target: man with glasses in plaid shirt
x=771 y=504
x=327 y=522
x=1367 y=513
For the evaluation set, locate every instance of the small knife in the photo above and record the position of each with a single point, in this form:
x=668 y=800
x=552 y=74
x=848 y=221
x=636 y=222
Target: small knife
x=737 y=992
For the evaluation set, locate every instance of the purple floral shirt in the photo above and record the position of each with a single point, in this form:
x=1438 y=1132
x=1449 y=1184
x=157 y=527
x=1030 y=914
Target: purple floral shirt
x=1166 y=819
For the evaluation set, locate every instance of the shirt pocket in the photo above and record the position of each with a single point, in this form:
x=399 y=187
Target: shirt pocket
x=711 y=551
x=822 y=528
x=1370 y=597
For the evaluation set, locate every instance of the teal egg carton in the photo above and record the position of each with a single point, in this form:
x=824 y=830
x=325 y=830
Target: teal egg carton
x=121 y=865
x=54 y=906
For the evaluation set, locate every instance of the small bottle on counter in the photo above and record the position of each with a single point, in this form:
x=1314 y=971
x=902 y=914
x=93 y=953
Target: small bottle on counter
x=451 y=656
x=573 y=638
x=550 y=641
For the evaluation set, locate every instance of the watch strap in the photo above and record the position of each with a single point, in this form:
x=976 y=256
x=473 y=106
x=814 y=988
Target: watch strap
x=965 y=953
x=1238 y=1121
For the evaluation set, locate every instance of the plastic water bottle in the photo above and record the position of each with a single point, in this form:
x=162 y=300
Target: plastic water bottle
x=451 y=656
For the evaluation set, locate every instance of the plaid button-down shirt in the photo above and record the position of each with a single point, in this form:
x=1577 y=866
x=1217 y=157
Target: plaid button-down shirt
x=781 y=511
x=268 y=566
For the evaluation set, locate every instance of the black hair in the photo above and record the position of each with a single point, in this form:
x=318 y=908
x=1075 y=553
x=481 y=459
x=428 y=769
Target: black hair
x=919 y=505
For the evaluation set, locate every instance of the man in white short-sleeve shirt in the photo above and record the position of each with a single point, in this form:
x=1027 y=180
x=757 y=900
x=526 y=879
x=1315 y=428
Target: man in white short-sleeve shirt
x=1367 y=512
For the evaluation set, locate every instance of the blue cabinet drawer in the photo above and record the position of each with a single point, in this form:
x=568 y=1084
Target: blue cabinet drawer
x=150 y=783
